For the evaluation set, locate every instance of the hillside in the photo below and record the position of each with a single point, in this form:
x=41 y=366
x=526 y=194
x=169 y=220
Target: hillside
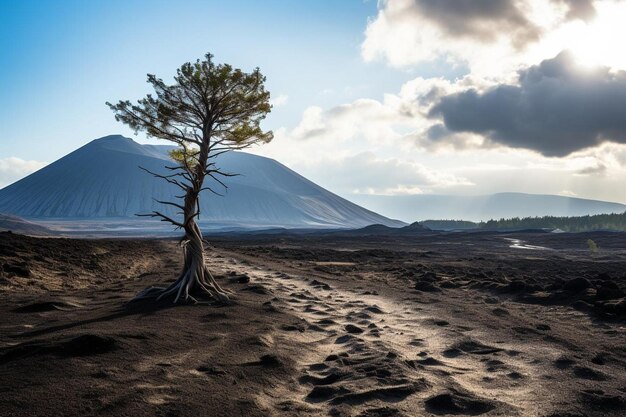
x=102 y=181
x=18 y=225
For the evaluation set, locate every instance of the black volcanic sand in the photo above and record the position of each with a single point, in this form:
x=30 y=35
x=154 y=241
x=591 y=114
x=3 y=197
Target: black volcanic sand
x=323 y=325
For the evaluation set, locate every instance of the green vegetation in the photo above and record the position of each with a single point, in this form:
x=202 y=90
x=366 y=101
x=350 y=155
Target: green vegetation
x=615 y=222
x=593 y=247
x=567 y=224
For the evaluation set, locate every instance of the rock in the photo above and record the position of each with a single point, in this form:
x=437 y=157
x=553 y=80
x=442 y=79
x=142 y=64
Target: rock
x=428 y=276
x=293 y=327
x=609 y=290
x=599 y=359
x=19 y=269
x=455 y=402
x=500 y=312
x=319 y=284
x=584 y=372
x=426 y=286
x=577 y=284
x=581 y=305
x=351 y=328
x=268 y=306
x=257 y=289
x=563 y=362
x=239 y=279
x=270 y=361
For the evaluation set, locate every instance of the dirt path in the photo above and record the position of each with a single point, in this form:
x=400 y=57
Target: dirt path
x=386 y=351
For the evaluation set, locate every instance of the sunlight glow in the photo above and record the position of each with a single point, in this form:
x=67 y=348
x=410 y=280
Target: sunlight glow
x=599 y=42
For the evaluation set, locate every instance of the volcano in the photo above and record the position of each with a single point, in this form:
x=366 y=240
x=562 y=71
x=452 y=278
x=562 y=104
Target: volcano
x=102 y=181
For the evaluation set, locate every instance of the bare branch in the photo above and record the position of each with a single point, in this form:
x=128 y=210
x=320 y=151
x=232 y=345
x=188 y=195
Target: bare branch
x=163 y=217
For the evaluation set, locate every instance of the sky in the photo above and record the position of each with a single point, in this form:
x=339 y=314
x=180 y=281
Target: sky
x=393 y=97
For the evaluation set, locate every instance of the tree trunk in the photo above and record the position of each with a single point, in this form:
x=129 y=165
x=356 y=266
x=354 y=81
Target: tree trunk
x=195 y=279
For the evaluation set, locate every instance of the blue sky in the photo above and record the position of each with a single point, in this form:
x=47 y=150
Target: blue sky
x=61 y=60
x=371 y=97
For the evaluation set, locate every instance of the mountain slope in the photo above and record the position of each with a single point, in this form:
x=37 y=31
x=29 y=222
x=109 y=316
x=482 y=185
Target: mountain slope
x=485 y=207
x=102 y=180
x=18 y=225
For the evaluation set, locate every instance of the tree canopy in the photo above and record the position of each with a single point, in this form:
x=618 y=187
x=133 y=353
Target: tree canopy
x=208 y=110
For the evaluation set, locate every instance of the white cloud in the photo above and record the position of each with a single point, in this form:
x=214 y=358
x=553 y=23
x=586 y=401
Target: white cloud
x=493 y=37
x=13 y=169
x=280 y=100
x=367 y=173
x=389 y=146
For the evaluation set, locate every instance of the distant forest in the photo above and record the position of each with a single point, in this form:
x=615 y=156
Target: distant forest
x=615 y=222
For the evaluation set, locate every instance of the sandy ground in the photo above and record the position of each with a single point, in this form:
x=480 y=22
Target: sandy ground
x=335 y=325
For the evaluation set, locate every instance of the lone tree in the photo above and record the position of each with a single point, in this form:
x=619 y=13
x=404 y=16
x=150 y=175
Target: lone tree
x=209 y=110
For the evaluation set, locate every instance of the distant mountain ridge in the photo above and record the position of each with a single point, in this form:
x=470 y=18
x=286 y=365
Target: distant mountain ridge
x=412 y=208
x=9 y=223
x=102 y=180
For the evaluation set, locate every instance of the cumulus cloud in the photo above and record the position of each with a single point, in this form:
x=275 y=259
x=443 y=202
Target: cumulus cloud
x=13 y=169
x=365 y=118
x=492 y=37
x=578 y=9
x=484 y=20
x=357 y=147
x=598 y=168
x=555 y=108
x=367 y=173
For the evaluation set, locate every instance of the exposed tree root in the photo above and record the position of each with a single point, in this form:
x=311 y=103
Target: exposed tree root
x=194 y=281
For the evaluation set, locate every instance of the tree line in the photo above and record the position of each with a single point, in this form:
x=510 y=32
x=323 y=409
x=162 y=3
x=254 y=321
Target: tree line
x=613 y=221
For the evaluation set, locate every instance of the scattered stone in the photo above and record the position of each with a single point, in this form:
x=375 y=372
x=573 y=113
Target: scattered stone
x=582 y=305
x=352 y=329
x=609 y=290
x=270 y=361
x=577 y=284
x=293 y=327
x=500 y=312
x=319 y=284
x=563 y=363
x=20 y=269
x=587 y=373
x=257 y=289
x=426 y=286
x=324 y=392
x=455 y=402
x=428 y=276
x=239 y=278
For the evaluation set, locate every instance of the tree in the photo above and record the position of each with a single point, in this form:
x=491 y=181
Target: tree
x=209 y=110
